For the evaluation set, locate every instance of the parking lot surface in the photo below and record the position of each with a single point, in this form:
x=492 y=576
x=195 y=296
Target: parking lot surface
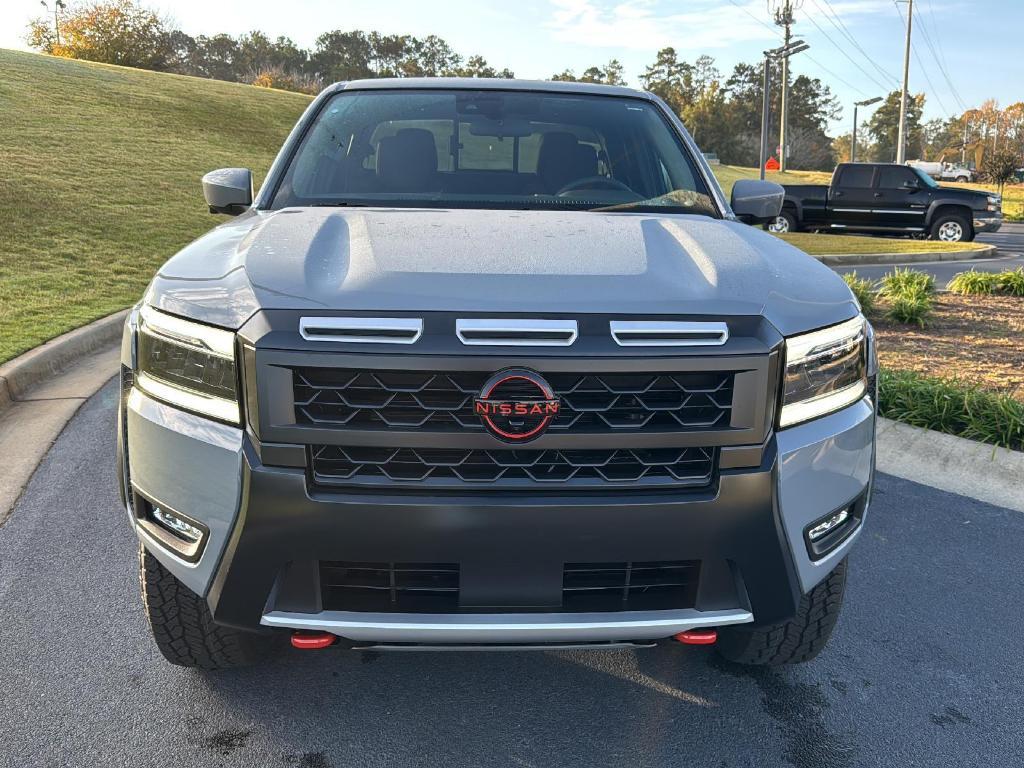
x=924 y=669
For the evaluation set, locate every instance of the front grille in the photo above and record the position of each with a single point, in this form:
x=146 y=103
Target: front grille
x=390 y=587
x=443 y=402
x=461 y=468
x=641 y=586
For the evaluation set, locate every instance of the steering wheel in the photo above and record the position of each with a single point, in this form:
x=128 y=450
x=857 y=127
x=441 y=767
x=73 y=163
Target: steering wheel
x=590 y=182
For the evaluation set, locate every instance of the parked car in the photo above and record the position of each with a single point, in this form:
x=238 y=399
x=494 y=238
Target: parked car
x=890 y=199
x=493 y=363
x=945 y=171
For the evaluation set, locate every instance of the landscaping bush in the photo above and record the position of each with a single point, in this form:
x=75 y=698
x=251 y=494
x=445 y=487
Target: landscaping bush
x=974 y=283
x=903 y=281
x=1012 y=281
x=951 y=406
x=910 y=307
x=863 y=289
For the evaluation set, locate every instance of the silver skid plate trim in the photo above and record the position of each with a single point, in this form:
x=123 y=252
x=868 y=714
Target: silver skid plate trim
x=505 y=628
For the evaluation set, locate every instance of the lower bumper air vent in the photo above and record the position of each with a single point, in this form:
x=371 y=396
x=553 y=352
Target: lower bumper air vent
x=640 y=586
x=390 y=587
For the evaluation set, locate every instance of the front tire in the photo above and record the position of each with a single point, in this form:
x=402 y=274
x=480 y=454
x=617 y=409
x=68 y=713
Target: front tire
x=789 y=642
x=183 y=627
x=951 y=228
x=783 y=223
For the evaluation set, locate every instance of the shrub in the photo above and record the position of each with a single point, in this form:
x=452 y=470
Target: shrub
x=1012 y=281
x=974 y=283
x=863 y=289
x=951 y=406
x=910 y=307
x=900 y=281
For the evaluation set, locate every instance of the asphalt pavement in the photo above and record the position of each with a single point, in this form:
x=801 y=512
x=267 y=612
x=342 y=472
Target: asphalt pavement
x=923 y=670
x=1009 y=239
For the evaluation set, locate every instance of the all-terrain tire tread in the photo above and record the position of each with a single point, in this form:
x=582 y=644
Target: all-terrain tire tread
x=796 y=640
x=183 y=627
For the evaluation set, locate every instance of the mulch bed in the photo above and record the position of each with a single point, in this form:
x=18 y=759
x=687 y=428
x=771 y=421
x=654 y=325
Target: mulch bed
x=976 y=339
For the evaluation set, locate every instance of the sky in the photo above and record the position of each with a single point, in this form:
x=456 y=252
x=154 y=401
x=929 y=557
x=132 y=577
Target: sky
x=966 y=51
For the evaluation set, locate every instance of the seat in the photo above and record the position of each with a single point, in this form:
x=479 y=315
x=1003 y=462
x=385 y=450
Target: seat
x=407 y=161
x=562 y=159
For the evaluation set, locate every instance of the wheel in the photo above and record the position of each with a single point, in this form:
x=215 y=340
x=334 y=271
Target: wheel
x=784 y=222
x=962 y=179
x=951 y=228
x=183 y=627
x=791 y=642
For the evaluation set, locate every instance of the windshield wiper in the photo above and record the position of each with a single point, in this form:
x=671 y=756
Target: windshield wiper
x=338 y=204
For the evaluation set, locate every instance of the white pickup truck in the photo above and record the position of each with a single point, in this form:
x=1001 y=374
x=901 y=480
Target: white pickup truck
x=944 y=171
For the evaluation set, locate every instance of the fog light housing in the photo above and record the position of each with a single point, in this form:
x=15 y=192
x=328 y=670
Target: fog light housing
x=826 y=533
x=181 y=535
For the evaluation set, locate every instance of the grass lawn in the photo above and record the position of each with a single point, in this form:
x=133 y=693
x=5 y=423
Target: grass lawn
x=99 y=181
x=839 y=244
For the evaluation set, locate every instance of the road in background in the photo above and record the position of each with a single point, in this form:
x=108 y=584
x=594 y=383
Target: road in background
x=923 y=669
x=1009 y=239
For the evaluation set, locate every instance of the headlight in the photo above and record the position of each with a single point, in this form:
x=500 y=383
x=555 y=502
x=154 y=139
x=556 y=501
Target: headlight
x=825 y=370
x=188 y=365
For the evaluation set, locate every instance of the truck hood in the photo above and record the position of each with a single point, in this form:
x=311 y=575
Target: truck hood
x=497 y=262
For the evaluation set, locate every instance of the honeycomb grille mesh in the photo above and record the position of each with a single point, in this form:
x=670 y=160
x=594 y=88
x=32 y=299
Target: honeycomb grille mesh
x=443 y=402
x=461 y=468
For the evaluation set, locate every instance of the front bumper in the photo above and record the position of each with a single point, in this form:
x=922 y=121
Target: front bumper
x=985 y=222
x=268 y=529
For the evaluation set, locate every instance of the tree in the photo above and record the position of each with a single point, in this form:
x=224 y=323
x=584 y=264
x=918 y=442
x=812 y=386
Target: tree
x=884 y=124
x=1000 y=166
x=670 y=79
x=118 y=32
x=841 y=146
x=477 y=66
x=610 y=74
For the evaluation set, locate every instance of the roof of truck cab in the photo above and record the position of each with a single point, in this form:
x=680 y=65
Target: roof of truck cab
x=485 y=84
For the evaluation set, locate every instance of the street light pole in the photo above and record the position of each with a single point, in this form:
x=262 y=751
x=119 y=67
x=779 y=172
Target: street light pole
x=782 y=11
x=901 y=147
x=853 y=142
x=775 y=54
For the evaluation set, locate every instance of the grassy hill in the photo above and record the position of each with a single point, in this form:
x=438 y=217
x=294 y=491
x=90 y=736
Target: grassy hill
x=99 y=180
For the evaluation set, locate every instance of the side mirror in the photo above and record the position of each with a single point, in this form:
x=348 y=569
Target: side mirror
x=756 y=202
x=228 y=190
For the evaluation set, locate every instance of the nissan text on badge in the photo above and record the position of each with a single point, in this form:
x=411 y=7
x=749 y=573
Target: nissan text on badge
x=491 y=363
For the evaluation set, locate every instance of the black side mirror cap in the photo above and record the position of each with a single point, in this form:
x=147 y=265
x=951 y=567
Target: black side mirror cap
x=228 y=190
x=756 y=202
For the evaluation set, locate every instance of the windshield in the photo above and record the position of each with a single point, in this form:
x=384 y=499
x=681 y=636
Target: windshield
x=924 y=177
x=493 y=149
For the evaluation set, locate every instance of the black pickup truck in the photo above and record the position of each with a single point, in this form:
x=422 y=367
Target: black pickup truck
x=891 y=199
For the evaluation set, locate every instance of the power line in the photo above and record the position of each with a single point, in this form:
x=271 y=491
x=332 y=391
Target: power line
x=842 y=50
x=833 y=74
x=920 y=64
x=834 y=19
x=929 y=40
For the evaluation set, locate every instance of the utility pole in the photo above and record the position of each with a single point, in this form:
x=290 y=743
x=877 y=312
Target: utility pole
x=796 y=46
x=901 y=147
x=853 y=142
x=782 y=12
x=58 y=6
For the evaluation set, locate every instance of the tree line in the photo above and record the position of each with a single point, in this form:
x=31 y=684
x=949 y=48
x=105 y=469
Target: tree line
x=722 y=111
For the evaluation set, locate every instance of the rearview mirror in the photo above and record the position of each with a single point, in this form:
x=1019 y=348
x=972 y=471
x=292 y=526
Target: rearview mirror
x=756 y=202
x=228 y=190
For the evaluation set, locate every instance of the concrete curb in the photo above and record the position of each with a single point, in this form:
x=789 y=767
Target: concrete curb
x=985 y=472
x=47 y=360
x=876 y=259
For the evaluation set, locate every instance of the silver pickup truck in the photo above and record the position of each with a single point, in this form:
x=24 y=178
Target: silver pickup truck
x=493 y=364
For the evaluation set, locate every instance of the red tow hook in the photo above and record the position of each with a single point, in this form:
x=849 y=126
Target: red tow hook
x=697 y=637
x=308 y=641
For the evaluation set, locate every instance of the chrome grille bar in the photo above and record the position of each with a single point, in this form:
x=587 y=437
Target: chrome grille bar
x=362 y=330
x=516 y=332
x=664 y=333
